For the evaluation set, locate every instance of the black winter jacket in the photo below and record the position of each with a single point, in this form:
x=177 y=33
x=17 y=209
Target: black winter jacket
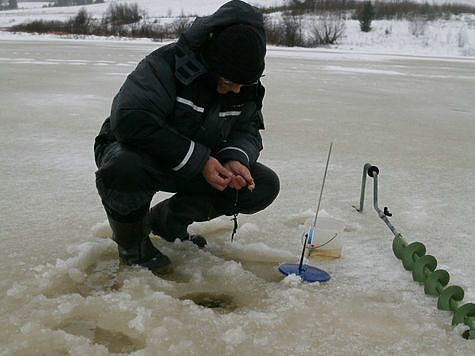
x=169 y=108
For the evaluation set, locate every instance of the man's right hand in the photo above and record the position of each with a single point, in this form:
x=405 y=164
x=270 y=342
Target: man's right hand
x=216 y=175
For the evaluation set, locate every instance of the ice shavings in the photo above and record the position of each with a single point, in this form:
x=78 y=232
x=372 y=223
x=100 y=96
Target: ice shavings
x=183 y=347
x=50 y=276
x=142 y=316
x=234 y=336
x=305 y=217
x=102 y=230
x=257 y=251
x=214 y=226
x=17 y=290
x=292 y=280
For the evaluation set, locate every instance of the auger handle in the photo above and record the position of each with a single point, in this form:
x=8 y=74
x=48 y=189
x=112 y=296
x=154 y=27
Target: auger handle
x=373 y=172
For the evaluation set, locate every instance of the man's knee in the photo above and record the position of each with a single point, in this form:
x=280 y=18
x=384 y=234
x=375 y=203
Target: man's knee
x=120 y=182
x=269 y=186
x=122 y=169
x=270 y=179
x=266 y=190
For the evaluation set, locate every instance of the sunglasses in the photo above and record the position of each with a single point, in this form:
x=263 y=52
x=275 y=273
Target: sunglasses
x=230 y=82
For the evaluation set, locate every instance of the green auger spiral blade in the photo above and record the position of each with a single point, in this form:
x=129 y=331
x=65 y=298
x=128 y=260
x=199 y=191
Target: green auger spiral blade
x=448 y=296
x=469 y=334
x=462 y=314
x=436 y=282
x=398 y=246
x=423 y=267
x=411 y=253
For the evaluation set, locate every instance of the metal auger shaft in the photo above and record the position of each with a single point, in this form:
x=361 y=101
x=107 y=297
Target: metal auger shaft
x=373 y=172
x=422 y=266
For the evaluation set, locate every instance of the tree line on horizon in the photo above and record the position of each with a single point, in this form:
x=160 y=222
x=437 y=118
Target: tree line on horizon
x=8 y=4
x=303 y=23
x=61 y=3
x=383 y=9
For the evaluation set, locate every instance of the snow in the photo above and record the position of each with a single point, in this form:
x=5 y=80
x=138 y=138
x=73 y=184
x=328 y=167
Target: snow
x=450 y=37
x=28 y=11
x=440 y=37
x=407 y=109
x=69 y=294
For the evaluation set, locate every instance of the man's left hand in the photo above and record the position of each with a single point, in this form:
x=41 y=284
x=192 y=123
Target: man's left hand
x=241 y=175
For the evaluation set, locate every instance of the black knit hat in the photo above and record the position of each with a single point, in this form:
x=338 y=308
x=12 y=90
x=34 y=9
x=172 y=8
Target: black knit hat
x=237 y=53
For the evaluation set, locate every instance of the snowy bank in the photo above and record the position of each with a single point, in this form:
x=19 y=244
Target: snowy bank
x=451 y=37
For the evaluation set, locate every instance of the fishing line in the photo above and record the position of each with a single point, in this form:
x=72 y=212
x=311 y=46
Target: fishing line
x=326 y=243
x=235 y=216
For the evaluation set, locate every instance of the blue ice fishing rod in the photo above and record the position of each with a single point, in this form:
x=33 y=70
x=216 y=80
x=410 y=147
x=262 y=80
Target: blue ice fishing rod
x=306 y=272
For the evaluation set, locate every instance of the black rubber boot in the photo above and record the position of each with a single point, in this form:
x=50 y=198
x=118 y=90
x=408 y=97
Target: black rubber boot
x=170 y=218
x=135 y=247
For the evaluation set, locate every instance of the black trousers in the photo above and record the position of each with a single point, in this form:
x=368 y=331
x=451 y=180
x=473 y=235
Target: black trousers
x=127 y=180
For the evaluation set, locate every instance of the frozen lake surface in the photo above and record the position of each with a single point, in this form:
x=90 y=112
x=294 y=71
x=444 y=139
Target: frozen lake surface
x=64 y=291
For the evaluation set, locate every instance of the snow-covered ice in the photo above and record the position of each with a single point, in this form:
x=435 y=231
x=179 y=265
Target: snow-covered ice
x=402 y=102
x=66 y=293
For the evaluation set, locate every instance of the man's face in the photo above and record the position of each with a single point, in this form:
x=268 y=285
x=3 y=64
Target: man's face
x=225 y=86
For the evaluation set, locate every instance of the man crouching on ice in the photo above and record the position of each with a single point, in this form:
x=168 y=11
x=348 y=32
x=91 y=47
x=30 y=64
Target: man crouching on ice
x=187 y=121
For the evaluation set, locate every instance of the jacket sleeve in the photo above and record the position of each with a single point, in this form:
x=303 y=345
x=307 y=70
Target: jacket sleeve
x=244 y=141
x=139 y=118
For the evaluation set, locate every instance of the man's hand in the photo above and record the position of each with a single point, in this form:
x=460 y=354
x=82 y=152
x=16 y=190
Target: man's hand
x=216 y=175
x=241 y=175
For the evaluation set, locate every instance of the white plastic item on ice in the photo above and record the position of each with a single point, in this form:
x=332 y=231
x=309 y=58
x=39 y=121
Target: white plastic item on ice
x=327 y=238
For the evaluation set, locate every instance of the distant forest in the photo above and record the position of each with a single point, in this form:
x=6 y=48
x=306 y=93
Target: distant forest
x=73 y=2
x=13 y=4
x=303 y=23
x=388 y=9
x=8 y=4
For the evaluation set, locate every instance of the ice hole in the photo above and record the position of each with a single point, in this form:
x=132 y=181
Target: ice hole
x=219 y=302
x=114 y=341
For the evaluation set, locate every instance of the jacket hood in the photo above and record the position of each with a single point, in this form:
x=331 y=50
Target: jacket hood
x=232 y=13
x=193 y=40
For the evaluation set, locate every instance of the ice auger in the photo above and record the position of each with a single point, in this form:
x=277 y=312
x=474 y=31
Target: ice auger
x=422 y=266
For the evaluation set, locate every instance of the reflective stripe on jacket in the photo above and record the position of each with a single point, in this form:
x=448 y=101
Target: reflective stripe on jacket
x=169 y=107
